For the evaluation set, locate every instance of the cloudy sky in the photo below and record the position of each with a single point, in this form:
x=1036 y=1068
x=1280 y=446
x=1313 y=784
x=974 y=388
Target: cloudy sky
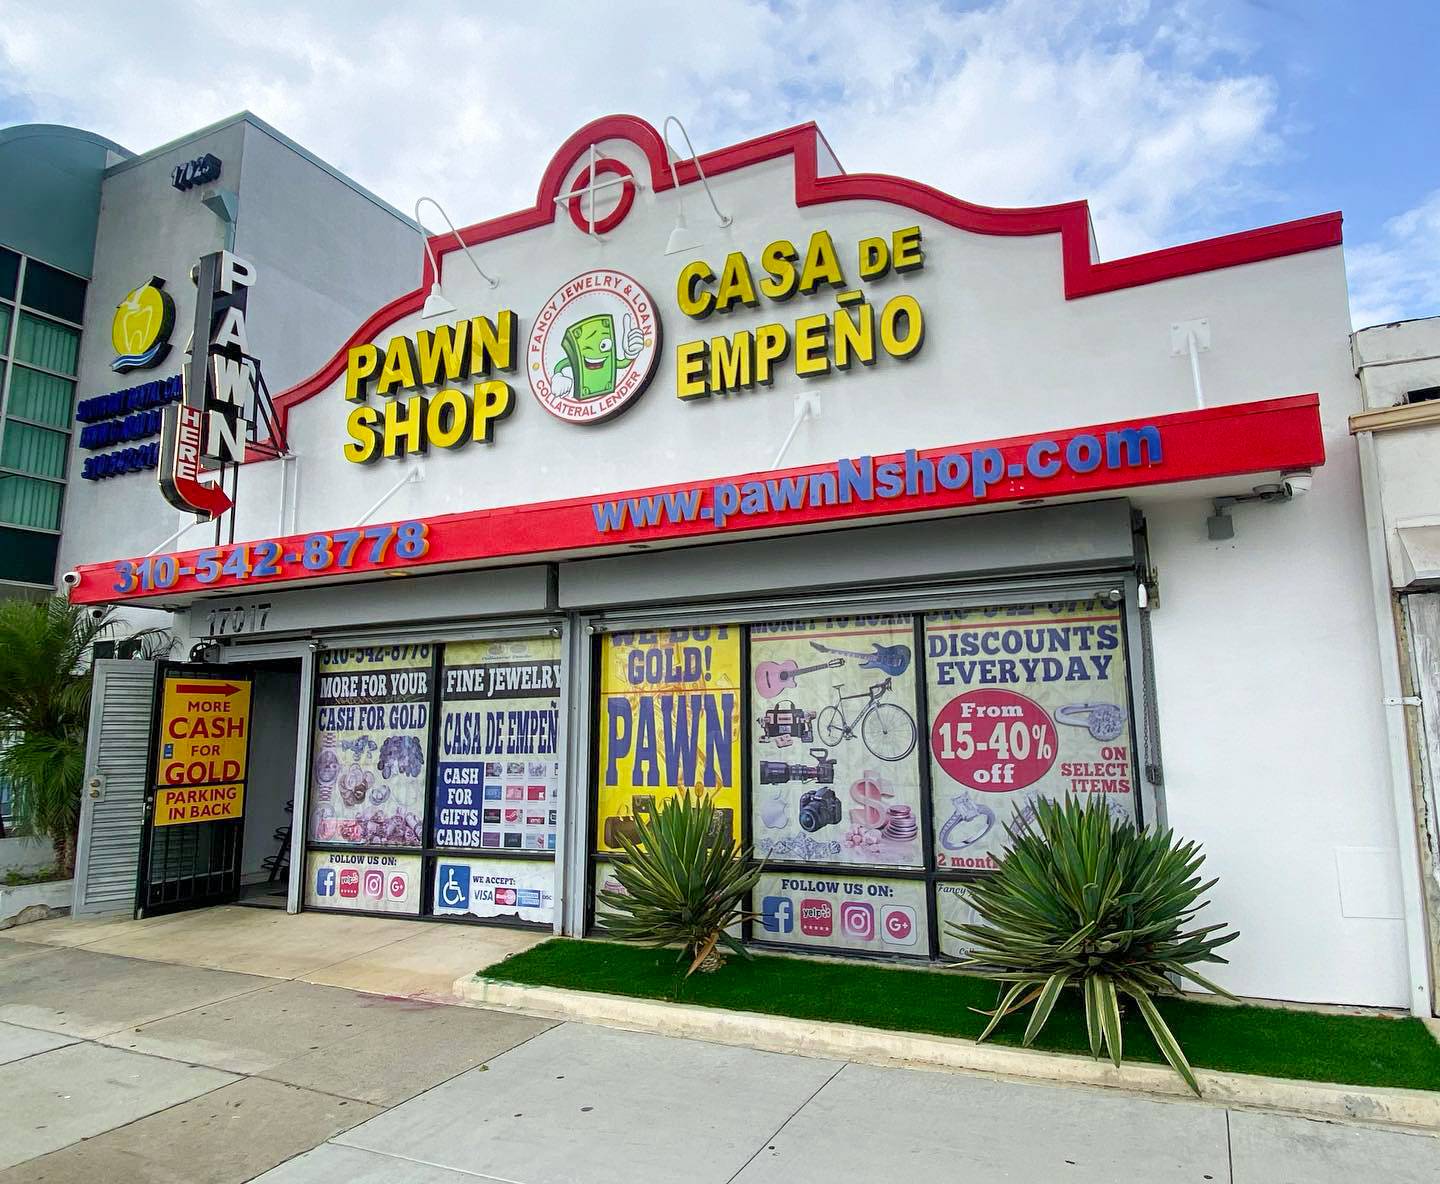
x=1176 y=120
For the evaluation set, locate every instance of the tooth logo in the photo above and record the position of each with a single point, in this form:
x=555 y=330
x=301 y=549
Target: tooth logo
x=594 y=347
x=140 y=329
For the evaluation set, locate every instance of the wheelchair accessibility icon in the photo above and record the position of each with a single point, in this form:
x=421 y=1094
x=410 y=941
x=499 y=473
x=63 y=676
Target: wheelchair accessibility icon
x=454 y=889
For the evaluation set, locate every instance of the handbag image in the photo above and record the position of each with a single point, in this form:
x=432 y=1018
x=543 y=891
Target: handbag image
x=620 y=824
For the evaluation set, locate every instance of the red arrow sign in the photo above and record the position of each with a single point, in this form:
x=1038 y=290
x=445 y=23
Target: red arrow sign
x=206 y=688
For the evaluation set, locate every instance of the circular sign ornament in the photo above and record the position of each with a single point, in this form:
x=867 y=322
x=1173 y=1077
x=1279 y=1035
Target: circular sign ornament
x=140 y=329
x=994 y=740
x=594 y=346
x=580 y=196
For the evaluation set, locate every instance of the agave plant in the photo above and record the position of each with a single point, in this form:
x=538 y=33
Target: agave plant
x=685 y=882
x=1083 y=899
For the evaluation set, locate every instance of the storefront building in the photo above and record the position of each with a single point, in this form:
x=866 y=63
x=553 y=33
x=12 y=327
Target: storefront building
x=877 y=514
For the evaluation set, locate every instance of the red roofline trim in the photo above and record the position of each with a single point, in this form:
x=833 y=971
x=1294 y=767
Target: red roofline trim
x=1083 y=275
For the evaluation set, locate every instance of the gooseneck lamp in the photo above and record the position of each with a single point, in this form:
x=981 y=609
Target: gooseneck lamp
x=682 y=238
x=436 y=304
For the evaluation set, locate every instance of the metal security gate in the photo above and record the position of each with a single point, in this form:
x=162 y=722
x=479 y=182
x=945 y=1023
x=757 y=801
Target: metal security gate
x=190 y=853
x=112 y=809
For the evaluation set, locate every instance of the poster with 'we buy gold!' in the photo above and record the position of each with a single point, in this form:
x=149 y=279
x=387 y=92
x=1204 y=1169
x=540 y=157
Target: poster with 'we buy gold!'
x=669 y=721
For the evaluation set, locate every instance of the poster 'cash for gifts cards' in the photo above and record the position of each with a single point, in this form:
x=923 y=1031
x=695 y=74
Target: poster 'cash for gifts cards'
x=835 y=748
x=669 y=721
x=372 y=734
x=497 y=784
x=1026 y=702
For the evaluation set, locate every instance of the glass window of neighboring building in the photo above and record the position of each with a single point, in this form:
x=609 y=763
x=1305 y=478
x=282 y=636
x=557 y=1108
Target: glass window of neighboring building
x=9 y=273
x=39 y=357
x=55 y=292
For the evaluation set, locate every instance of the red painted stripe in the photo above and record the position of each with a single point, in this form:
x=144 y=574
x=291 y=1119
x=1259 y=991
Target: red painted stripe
x=1070 y=220
x=1244 y=438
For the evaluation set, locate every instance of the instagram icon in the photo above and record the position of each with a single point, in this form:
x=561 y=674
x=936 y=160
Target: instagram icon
x=857 y=920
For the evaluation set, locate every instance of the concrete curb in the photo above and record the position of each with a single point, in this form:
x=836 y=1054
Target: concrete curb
x=1415 y=1110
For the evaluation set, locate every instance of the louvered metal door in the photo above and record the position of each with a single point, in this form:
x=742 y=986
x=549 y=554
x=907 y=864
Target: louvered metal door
x=112 y=809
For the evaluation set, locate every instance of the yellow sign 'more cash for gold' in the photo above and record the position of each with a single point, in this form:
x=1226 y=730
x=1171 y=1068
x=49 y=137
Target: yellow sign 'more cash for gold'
x=204 y=744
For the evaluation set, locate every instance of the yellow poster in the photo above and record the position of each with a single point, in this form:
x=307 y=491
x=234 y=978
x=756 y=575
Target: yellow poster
x=198 y=803
x=204 y=730
x=669 y=720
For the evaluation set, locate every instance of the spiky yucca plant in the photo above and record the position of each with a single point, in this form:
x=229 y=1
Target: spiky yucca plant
x=1081 y=898
x=685 y=881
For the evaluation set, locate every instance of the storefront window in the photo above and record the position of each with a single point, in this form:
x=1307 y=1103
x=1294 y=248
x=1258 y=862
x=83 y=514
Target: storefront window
x=371 y=746
x=885 y=755
x=436 y=780
x=498 y=779
x=1025 y=702
x=835 y=754
x=669 y=719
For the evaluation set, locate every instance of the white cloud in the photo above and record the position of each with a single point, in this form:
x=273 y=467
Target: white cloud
x=1398 y=276
x=1016 y=102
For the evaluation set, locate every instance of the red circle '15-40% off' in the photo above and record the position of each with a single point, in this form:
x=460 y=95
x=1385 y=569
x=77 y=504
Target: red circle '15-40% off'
x=994 y=740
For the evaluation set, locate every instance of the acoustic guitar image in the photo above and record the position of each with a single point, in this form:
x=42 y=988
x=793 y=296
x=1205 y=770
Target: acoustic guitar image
x=894 y=660
x=773 y=679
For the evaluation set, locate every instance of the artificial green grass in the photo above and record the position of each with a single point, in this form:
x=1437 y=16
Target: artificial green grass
x=1311 y=1046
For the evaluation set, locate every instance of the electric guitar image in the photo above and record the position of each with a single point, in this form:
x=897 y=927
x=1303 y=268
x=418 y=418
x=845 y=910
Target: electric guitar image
x=773 y=679
x=894 y=660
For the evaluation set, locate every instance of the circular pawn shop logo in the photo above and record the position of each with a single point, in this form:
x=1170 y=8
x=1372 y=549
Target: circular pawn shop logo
x=594 y=346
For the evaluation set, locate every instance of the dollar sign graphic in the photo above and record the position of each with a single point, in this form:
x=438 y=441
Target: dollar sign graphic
x=870 y=797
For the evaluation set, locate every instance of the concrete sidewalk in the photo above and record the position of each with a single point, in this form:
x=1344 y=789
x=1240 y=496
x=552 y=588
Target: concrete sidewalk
x=370 y=954
x=126 y=1066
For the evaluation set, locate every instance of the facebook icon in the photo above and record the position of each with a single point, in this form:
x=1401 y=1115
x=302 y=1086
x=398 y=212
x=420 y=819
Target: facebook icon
x=325 y=881
x=777 y=914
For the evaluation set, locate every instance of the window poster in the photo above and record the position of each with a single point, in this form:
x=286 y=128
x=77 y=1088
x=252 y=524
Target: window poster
x=604 y=881
x=835 y=774
x=372 y=736
x=1026 y=702
x=497 y=784
x=669 y=719
x=879 y=916
x=363 y=882
x=952 y=907
x=510 y=889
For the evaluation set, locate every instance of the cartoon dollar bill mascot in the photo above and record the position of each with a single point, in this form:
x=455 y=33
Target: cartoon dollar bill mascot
x=593 y=356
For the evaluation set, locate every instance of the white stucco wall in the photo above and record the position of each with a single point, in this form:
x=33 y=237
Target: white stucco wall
x=1265 y=653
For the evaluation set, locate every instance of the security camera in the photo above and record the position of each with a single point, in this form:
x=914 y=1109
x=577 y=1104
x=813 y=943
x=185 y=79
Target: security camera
x=71 y=579
x=1297 y=483
x=97 y=614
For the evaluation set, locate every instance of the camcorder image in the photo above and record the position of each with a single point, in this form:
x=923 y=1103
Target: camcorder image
x=781 y=772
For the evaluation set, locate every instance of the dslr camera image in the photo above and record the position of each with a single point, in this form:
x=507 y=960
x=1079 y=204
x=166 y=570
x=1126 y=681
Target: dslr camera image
x=819 y=808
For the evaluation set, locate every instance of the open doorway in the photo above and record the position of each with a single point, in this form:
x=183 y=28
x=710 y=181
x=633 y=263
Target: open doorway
x=269 y=804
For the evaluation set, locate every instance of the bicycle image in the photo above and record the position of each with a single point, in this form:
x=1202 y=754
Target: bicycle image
x=886 y=729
